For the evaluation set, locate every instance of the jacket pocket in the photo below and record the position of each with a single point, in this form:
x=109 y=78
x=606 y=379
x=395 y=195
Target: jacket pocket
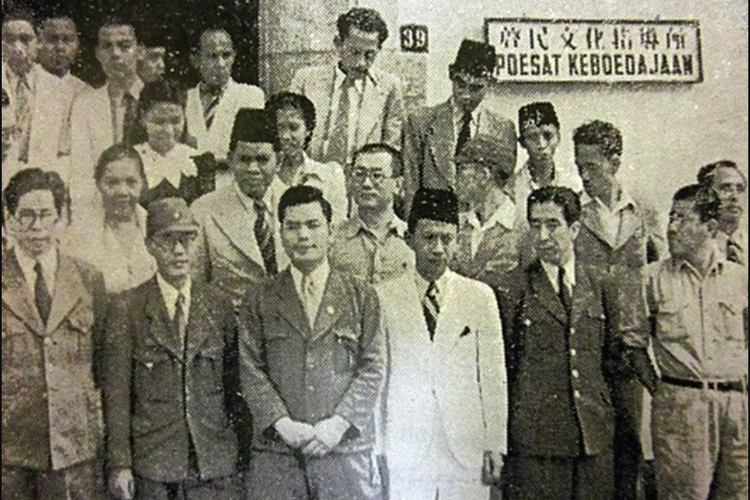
x=670 y=321
x=156 y=377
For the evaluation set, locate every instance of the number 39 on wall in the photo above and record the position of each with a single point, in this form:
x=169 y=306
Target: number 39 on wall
x=414 y=38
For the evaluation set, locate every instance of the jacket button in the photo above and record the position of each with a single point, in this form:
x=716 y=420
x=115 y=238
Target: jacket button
x=311 y=388
x=576 y=374
x=573 y=352
x=577 y=394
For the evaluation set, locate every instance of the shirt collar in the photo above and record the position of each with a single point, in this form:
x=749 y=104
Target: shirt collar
x=48 y=260
x=319 y=277
x=458 y=114
x=423 y=284
x=270 y=198
x=170 y=293
x=570 y=271
x=354 y=227
x=359 y=83
x=625 y=202
x=135 y=90
x=718 y=262
x=504 y=215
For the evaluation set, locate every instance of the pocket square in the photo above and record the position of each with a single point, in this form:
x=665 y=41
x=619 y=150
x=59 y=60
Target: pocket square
x=467 y=331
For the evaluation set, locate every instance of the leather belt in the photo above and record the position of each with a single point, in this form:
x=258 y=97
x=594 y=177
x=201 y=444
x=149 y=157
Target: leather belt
x=721 y=386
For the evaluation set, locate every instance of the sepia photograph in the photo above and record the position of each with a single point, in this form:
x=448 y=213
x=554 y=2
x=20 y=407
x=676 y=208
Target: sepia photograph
x=374 y=250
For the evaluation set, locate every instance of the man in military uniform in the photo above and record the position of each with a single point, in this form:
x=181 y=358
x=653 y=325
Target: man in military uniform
x=167 y=376
x=52 y=313
x=312 y=359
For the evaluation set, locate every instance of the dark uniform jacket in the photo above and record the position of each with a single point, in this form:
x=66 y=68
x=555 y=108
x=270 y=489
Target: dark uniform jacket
x=51 y=406
x=560 y=370
x=289 y=369
x=160 y=396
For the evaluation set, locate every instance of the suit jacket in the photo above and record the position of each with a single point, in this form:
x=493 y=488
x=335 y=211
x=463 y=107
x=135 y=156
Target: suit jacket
x=497 y=254
x=381 y=116
x=560 y=369
x=51 y=402
x=227 y=253
x=216 y=139
x=463 y=370
x=311 y=374
x=159 y=396
x=429 y=146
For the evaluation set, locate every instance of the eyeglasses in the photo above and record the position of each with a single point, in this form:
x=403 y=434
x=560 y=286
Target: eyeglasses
x=470 y=86
x=375 y=176
x=28 y=218
x=170 y=240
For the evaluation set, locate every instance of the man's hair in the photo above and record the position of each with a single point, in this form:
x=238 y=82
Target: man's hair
x=116 y=22
x=211 y=29
x=6 y=99
x=57 y=16
x=707 y=173
x=21 y=13
x=563 y=197
x=116 y=153
x=35 y=179
x=381 y=147
x=302 y=195
x=296 y=101
x=367 y=20
x=706 y=202
x=600 y=133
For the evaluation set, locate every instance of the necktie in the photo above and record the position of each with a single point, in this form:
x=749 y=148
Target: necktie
x=129 y=117
x=308 y=299
x=23 y=116
x=431 y=308
x=562 y=290
x=464 y=134
x=211 y=102
x=338 y=144
x=734 y=252
x=264 y=237
x=180 y=319
x=42 y=297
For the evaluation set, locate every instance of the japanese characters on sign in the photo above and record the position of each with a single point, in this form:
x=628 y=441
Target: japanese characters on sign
x=612 y=51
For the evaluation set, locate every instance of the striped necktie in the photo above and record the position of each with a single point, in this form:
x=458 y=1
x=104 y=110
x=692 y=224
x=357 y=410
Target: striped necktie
x=431 y=308
x=210 y=103
x=264 y=237
x=464 y=133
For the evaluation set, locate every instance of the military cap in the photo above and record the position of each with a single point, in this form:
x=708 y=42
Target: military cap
x=496 y=153
x=170 y=215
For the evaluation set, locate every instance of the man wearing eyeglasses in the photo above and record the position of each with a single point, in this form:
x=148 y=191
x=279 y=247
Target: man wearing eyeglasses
x=434 y=136
x=52 y=309
x=168 y=375
x=371 y=244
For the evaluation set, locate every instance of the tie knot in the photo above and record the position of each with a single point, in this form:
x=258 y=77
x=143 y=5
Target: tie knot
x=260 y=207
x=180 y=300
x=38 y=267
x=432 y=290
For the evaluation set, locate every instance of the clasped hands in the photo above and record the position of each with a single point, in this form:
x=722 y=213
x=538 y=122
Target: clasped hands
x=313 y=440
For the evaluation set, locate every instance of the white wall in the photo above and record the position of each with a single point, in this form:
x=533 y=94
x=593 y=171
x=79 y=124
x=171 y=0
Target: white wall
x=669 y=130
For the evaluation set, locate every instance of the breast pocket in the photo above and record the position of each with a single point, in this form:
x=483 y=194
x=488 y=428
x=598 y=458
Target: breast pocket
x=346 y=350
x=592 y=328
x=277 y=345
x=208 y=371
x=730 y=321
x=670 y=321
x=80 y=324
x=156 y=377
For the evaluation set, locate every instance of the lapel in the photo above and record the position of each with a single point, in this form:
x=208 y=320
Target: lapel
x=452 y=319
x=200 y=326
x=582 y=294
x=542 y=289
x=408 y=335
x=373 y=101
x=331 y=305
x=194 y=112
x=159 y=325
x=69 y=289
x=234 y=221
x=100 y=128
x=16 y=295
x=288 y=303
x=593 y=225
x=630 y=226
x=443 y=142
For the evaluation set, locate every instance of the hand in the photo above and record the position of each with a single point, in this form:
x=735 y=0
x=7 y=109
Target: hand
x=122 y=484
x=327 y=435
x=492 y=468
x=295 y=434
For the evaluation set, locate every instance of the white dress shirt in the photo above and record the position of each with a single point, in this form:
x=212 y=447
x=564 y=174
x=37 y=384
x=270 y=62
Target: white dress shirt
x=170 y=295
x=117 y=104
x=553 y=271
x=610 y=219
x=316 y=283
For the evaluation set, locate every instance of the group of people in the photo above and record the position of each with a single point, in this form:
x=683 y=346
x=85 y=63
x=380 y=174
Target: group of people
x=211 y=295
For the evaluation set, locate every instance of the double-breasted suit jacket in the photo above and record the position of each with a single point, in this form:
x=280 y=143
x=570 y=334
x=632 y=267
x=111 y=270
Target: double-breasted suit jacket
x=457 y=382
x=560 y=404
x=429 y=145
x=161 y=393
x=51 y=404
x=310 y=374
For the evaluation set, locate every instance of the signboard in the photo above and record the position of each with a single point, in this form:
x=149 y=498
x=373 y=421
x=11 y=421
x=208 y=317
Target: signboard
x=414 y=38
x=543 y=50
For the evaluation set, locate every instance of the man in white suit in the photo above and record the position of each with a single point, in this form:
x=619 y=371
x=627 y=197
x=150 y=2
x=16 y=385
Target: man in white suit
x=445 y=409
x=356 y=103
x=213 y=104
x=103 y=117
x=40 y=99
